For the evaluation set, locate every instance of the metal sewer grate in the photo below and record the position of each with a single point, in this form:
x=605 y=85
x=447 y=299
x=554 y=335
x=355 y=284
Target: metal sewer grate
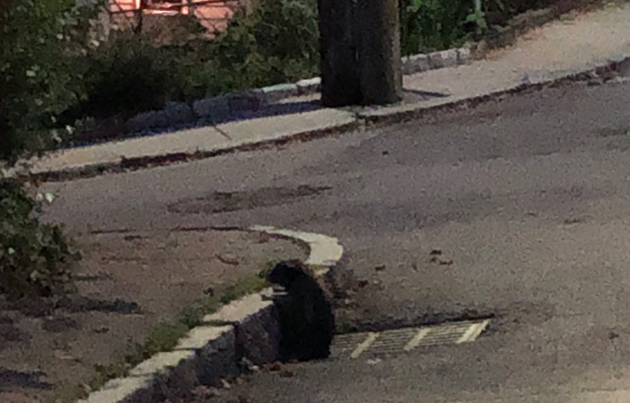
x=353 y=346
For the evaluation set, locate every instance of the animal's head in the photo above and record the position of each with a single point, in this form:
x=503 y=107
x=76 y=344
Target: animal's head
x=284 y=273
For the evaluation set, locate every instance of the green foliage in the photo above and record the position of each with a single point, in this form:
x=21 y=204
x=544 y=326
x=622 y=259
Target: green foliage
x=243 y=287
x=164 y=336
x=35 y=258
x=125 y=76
x=267 y=268
x=276 y=42
x=39 y=78
x=428 y=25
x=54 y=75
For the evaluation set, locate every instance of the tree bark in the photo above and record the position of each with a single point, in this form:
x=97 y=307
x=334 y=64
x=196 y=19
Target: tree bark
x=340 y=76
x=379 y=52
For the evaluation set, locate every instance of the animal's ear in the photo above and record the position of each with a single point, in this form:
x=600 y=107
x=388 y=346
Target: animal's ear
x=278 y=273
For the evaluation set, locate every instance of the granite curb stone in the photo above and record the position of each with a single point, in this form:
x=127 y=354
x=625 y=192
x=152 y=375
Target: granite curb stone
x=244 y=329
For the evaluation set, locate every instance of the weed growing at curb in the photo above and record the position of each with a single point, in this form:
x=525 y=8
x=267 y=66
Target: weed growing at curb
x=243 y=287
x=166 y=335
x=267 y=268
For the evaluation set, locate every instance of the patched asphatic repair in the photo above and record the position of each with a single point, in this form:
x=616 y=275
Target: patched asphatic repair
x=405 y=340
x=225 y=202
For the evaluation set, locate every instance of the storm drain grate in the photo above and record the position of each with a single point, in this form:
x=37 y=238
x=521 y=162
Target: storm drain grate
x=395 y=341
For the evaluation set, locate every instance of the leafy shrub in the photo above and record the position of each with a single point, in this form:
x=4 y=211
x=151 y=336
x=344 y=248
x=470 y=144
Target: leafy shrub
x=35 y=258
x=275 y=42
x=428 y=25
x=38 y=70
x=126 y=76
x=278 y=41
x=499 y=11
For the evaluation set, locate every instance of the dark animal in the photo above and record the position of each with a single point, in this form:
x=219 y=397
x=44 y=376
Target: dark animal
x=307 y=321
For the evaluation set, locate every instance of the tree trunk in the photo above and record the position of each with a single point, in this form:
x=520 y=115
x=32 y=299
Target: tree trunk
x=379 y=52
x=341 y=84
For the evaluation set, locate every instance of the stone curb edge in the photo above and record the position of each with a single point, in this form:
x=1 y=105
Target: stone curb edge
x=220 y=107
x=363 y=120
x=603 y=71
x=519 y=25
x=246 y=328
x=506 y=36
x=130 y=164
x=216 y=109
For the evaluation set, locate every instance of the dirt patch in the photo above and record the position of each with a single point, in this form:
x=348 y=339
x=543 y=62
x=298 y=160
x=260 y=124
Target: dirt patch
x=128 y=284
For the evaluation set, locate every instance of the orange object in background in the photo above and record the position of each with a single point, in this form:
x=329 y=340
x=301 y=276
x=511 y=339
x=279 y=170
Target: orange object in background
x=212 y=14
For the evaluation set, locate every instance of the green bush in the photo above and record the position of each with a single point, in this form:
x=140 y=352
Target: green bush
x=35 y=258
x=54 y=77
x=126 y=76
x=278 y=41
x=430 y=25
x=39 y=74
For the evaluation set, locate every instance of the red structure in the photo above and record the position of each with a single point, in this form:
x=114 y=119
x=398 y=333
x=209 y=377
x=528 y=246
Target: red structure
x=212 y=14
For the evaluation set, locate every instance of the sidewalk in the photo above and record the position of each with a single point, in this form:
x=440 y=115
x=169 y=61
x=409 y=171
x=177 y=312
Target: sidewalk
x=554 y=51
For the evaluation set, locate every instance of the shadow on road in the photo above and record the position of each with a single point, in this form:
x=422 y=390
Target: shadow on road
x=29 y=380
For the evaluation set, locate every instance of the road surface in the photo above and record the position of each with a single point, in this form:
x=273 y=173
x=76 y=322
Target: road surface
x=529 y=198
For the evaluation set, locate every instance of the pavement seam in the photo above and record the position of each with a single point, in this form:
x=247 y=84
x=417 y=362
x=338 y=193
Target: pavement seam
x=208 y=353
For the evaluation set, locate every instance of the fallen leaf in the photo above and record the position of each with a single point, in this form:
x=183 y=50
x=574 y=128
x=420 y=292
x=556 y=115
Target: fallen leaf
x=275 y=367
x=230 y=261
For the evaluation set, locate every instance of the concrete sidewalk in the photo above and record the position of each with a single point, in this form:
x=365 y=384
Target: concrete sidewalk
x=555 y=51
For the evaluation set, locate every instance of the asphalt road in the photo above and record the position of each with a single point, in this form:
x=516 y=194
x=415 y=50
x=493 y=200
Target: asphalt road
x=528 y=197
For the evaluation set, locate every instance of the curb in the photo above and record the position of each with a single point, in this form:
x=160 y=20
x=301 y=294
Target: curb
x=603 y=71
x=131 y=164
x=364 y=120
x=246 y=329
x=219 y=108
x=181 y=113
x=519 y=25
